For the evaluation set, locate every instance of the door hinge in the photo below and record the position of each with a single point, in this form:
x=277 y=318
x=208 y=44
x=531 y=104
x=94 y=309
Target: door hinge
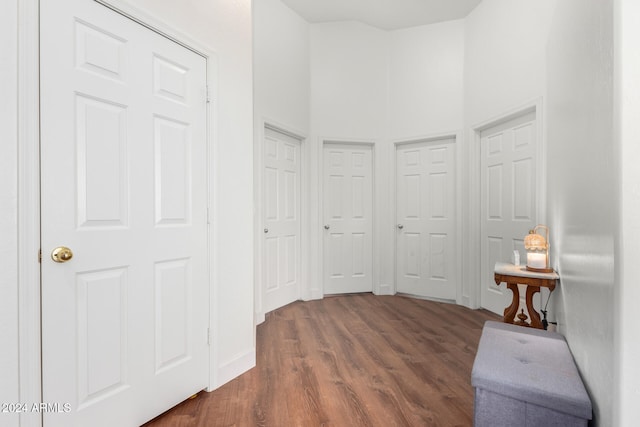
x=208 y=336
x=40 y=255
x=207 y=94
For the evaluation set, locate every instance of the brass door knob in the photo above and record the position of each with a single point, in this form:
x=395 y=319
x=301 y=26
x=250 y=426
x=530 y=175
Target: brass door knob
x=61 y=254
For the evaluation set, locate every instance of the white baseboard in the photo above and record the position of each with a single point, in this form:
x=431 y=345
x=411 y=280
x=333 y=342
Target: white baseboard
x=315 y=294
x=385 y=289
x=467 y=301
x=233 y=369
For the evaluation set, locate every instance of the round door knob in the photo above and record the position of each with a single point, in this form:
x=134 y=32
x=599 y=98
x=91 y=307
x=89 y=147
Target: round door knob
x=326 y=227
x=61 y=254
x=400 y=226
x=266 y=230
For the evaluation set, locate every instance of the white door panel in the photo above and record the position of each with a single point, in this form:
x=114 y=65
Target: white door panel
x=508 y=200
x=426 y=216
x=281 y=257
x=348 y=218
x=124 y=185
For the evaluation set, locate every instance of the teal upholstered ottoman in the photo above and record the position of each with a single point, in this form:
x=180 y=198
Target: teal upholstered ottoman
x=526 y=377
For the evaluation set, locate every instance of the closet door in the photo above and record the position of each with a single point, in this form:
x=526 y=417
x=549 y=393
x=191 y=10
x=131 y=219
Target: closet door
x=125 y=309
x=426 y=219
x=508 y=200
x=348 y=218
x=281 y=201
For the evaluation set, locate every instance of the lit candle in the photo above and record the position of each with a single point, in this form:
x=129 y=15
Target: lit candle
x=535 y=260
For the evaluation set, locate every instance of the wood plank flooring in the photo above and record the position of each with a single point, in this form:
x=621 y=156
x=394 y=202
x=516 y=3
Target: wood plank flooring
x=347 y=361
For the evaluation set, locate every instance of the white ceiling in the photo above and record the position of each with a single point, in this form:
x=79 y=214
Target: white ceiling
x=383 y=14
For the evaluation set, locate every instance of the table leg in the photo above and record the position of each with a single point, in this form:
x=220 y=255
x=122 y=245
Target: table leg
x=535 y=316
x=510 y=312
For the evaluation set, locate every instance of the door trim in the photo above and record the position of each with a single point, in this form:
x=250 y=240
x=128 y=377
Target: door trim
x=258 y=157
x=457 y=137
x=30 y=375
x=157 y=26
x=375 y=275
x=471 y=250
x=29 y=271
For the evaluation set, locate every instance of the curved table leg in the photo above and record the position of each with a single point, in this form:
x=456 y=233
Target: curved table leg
x=510 y=312
x=535 y=316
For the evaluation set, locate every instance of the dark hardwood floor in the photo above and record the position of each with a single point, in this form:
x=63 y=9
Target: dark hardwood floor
x=346 y=361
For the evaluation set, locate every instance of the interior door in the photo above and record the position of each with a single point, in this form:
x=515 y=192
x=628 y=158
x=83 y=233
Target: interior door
x=508 y=200
x=348 y=218
x=281 y=257
x=426 y=219
x=124 y=186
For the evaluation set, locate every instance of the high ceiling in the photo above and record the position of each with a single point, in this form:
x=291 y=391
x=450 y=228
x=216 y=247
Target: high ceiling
x=383 y=14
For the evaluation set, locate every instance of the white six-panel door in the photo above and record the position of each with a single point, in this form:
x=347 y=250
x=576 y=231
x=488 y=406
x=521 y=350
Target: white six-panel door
x=348 y=218
x=124 y=186
x=281 y=202
x=426 y=219
x=508 y=200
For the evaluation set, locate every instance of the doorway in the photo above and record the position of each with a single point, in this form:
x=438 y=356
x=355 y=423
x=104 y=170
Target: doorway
x=348 y=218
x=124 y=202
x=281 y=257
x=426 y=219
x=508 y=198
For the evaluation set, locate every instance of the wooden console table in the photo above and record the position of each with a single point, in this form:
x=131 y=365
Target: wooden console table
x=513 y=275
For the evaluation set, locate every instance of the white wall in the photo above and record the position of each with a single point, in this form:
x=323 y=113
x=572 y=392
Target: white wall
x=382 y=86
x=504 y=69
x=504 y=59
x=349 y=63
x=515 y=52
x=495 y=67
x=281 y=98
x=349 y=91
x=225 y=26
x=280 y=65
x=9 y=368
x=627 y=100
x=583 y=194
x=426 y=68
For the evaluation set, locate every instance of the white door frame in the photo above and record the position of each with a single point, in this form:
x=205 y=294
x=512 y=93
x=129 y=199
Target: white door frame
x=29 y=273
x=29 y=207
x=258 y=158
x=471 y=251
x=375 y=285
x=457 y=137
